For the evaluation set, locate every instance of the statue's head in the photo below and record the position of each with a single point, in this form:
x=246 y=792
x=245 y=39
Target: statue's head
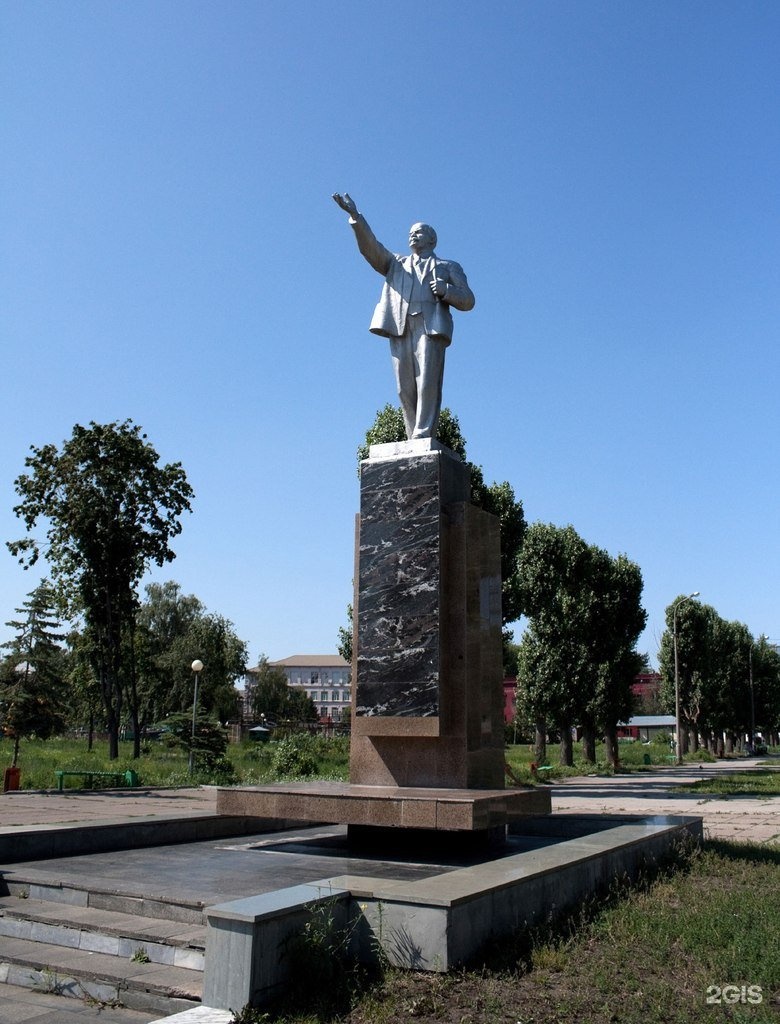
x=422 y=237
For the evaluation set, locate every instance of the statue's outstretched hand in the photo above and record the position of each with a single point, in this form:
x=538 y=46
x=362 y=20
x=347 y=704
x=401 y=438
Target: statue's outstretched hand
x=347 y=204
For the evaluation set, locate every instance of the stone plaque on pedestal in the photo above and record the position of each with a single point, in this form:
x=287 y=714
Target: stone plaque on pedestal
x=427 y=667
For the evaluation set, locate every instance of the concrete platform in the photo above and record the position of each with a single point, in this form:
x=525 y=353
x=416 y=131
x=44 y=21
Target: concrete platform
x=430 y=912
x=442 y=919
x=344 y=803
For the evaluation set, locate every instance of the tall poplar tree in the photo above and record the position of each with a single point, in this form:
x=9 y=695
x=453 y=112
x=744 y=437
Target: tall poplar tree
x=578 y=655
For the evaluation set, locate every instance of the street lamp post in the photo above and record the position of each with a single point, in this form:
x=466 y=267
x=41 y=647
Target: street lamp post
x=677 y=722
x=752 y=700
x=761 y=640
x=197 y=668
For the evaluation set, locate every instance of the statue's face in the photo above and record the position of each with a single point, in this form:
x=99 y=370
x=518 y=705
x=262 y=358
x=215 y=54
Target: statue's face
x=420 y=238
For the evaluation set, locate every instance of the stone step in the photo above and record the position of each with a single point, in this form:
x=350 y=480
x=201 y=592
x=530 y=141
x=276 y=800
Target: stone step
x=99 y=977
x=39 y=886
x=172 y=943
x=32 y=1006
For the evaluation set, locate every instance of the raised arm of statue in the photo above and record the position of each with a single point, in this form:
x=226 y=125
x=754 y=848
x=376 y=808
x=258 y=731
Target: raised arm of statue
x=374 y=252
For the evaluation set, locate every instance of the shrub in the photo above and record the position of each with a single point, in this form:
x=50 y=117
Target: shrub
x=294 y=757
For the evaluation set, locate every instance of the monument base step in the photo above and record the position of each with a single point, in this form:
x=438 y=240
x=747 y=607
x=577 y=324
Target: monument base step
x=344 y=803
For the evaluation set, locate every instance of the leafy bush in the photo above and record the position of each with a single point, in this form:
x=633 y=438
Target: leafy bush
x=222 y=772
x=294 y=757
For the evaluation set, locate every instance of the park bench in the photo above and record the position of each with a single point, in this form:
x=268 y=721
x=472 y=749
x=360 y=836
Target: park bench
x=128 y=778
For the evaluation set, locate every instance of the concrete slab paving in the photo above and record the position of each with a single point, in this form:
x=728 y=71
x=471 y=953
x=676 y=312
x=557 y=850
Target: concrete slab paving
x=742 y=818
x=36 y=808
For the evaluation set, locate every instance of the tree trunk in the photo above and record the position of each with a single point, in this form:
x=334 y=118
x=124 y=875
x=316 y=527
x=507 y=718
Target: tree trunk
x=540 y=748
x=136 y=722
x=730 y=743
x=16 y=750
x=133 y=696
x=113 y=720
x=113 y=738
x=589 y=743
x=567 y=754
x=613 y=750
x=91 y=730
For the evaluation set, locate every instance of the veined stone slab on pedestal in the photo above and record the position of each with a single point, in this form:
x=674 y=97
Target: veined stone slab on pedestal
x=427 y=669
x=342 y=803
x=400 y=580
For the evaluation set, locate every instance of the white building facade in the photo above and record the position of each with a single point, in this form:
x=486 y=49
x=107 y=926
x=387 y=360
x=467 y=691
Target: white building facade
x=323 y=677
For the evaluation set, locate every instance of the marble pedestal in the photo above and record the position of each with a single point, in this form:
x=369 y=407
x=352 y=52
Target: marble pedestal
x=427 y=745
x=427 y=669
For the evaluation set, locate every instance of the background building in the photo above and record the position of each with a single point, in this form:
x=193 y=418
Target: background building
x=323 y=677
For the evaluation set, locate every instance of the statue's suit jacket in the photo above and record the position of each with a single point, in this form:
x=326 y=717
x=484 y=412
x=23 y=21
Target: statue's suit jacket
x=389 y=319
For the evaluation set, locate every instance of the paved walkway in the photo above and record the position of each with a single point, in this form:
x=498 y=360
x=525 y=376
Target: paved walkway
x=744 y=818
x=736 y=817
x=755 y=819
x=83 y=807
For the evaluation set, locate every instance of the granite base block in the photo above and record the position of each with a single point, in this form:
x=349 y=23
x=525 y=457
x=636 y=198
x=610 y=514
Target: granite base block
x=344 y=803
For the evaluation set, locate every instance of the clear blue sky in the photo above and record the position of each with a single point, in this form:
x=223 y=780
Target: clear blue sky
x=607 y=173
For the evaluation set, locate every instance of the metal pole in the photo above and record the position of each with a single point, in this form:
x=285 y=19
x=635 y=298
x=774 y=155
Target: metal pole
x=752 y=705
x=197 y=668
x=677 y=737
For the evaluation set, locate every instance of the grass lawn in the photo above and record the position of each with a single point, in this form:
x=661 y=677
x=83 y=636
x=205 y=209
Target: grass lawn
x=634 y=757
x=761 y=782
x=160 y=765
x=676 y=949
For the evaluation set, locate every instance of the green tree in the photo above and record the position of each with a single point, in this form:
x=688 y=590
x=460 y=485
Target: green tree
x=344 y=646
x=727 y=707
x=111 y=511
x=552 y=662
x=173 y=630
x=616 y=621
x=164 y=618
x=765 y=687
x=695 y=626
x=727 y=680
x=206 y=746
x=577 y=658
x=511 y=653
x=33 y=675
x=274 y=700
x=85 y=709
x=388 y=427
